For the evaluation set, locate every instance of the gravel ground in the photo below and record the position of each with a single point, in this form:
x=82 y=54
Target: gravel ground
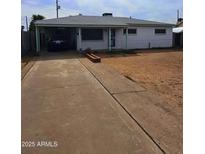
x=160 y=71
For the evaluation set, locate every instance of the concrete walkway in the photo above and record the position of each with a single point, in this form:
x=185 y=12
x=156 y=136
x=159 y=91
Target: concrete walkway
x=64 y=101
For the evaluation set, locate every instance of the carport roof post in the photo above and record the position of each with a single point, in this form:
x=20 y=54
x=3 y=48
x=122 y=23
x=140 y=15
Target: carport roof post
x=126 y=38
x=37 y=39
x=109 y=39
x=79 y=37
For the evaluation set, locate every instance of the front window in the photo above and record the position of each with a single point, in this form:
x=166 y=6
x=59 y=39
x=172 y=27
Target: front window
x=160 y=31
x=132 y=31
x=92 y=34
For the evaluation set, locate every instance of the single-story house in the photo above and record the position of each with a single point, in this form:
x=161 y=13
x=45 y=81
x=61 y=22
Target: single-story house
x=105 y=32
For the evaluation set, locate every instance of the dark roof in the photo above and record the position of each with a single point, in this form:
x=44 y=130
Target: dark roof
x=81 y=20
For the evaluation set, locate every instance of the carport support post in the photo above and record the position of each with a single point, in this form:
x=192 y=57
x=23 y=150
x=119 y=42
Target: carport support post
x=126 y=38
x=79 y=39
x=37 y=40
x=109 y=39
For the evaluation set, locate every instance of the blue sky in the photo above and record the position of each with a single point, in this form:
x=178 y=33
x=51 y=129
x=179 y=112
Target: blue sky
x=158 y=10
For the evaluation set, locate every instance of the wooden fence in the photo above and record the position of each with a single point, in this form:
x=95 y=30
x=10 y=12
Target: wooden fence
x=28 y=43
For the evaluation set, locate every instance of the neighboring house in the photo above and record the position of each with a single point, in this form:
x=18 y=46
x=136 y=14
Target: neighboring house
x=178 y=34
x=106 y=32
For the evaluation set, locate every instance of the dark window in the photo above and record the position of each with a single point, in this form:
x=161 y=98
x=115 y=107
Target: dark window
x=92 y=34
x=132 y=31
x=160 y=31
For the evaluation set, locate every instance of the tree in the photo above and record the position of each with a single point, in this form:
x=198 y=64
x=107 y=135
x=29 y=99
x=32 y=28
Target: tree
x=34 y=18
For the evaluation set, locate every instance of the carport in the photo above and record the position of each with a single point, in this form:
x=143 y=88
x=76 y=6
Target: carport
x=46 y=33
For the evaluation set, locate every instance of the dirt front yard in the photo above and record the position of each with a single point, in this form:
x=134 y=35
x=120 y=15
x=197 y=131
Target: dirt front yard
x=160 y=71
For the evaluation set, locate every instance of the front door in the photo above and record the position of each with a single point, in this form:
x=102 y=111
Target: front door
x=112 y=37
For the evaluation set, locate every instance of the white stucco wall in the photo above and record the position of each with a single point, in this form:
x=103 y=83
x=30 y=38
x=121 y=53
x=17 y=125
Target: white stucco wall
x=144 y=37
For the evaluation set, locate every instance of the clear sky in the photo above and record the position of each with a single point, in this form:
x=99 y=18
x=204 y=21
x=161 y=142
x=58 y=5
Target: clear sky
x=157 y=10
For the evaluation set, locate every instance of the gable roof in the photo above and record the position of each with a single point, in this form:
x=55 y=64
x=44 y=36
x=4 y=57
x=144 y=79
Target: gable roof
x=100 y=21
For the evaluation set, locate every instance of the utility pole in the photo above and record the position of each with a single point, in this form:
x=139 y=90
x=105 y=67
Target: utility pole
x=177 y=15
x=57 y=8
x=26 y=23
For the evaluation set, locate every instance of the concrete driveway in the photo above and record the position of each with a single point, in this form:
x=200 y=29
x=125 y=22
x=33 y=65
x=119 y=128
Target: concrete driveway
x=71 y=106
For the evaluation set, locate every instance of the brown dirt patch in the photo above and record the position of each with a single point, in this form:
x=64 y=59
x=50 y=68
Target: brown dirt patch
x=160 y=71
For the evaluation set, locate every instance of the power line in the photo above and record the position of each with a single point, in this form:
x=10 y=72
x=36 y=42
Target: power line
x=177 y=14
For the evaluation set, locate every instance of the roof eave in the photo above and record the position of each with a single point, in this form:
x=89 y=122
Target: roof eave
x=77 y=25
x=152 y=25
